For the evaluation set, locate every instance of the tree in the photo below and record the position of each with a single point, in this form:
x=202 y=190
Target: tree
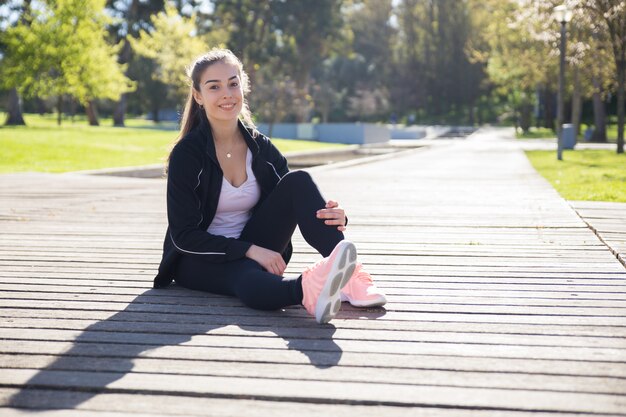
x=130 y=16
x=311 y=30
x=249 y=30
x=517 y=46
x=408 y=89
x=275 y=98
x=44 y=58
x=152 y=95
x=173 y=45
x=587 y=56
x=612 y=14
x=334 y=81
x=14 y=105
x=372 y=37
x=436 y=73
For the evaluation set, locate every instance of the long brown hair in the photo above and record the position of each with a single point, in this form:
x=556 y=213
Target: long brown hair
x=193 y=113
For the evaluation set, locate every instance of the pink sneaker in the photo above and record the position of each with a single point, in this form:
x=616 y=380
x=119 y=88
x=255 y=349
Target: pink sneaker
x=361 y=291
x=322 y=282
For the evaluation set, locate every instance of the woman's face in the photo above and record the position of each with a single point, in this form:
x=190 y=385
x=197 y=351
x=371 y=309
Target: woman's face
x=220 y=93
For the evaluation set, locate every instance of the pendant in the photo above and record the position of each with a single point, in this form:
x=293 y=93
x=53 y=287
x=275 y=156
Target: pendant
x=228 y=155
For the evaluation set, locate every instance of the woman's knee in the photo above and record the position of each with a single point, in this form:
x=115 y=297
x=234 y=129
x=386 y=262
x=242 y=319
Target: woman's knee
x=297 y=179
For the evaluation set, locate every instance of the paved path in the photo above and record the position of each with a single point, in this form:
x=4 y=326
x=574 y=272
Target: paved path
x=502 y=302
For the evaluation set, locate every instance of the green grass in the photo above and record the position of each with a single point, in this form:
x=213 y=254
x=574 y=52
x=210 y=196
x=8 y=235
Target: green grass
x=43 y=146
x=545 y=133
x=586 y=175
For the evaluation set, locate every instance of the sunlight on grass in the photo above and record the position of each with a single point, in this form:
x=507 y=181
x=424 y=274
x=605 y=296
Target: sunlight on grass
x=586 y=175
x=45 y=147
x=545 y=133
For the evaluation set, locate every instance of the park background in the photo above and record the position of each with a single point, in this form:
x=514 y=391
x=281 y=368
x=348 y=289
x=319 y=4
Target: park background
x=505 y=299
x=122 y=62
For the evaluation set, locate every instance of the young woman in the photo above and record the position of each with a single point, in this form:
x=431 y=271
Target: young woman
x=233 y=206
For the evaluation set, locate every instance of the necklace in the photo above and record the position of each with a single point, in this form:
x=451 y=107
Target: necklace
x=229 y=153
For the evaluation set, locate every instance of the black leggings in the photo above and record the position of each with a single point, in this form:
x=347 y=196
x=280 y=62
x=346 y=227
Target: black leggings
x=294 y=202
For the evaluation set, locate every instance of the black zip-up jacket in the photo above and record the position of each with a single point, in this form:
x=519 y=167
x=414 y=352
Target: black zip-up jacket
x=193 y=190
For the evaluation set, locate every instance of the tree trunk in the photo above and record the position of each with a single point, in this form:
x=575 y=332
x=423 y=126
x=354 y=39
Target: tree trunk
x=577 y=102
x=599 y=114
x=302 y=111
x=92 y=113
x=472 y=114
x=155 y=111
x=72 y=109
x=525 y=117
x=59 y=110
x=14 y=108
x=41 y=106
x=120 y=107
x=120 y=112
x=621 y=74
x=548 y=109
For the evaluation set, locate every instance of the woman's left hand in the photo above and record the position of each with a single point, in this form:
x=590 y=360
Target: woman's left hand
x=333 y=215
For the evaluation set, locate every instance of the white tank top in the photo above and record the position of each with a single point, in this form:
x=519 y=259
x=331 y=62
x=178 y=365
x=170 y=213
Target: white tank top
x=234 y=207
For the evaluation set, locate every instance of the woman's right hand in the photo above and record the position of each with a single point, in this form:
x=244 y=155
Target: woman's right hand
x=271 y=261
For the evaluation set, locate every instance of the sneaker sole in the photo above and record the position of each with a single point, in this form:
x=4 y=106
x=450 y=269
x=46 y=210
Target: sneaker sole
x=372 y=303
x=329 y=302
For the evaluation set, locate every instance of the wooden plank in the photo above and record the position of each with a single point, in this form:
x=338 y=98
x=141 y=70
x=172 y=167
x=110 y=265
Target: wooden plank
x=599 y=255
x=419 y=334
x=452 y=345
x=303 y=372
x=431 y=263
x=426 y=278
x=151 y=322
x=14 y=288
x=118 y=404
x=608 y=220
x=397 y=301
x=430 y=313
x=323 y=359
x=468 y=323
x=322 y=391
x=224 y=307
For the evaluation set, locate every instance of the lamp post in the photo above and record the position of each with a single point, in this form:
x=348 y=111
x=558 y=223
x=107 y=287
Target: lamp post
x=562 y=15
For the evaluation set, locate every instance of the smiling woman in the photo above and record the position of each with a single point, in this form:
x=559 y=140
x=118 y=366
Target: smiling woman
x=233 y=206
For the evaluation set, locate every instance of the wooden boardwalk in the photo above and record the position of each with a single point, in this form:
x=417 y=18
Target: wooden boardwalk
x=501 y=302
x=608 y=221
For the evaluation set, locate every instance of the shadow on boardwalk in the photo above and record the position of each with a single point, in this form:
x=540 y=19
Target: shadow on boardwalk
x=105 y=351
